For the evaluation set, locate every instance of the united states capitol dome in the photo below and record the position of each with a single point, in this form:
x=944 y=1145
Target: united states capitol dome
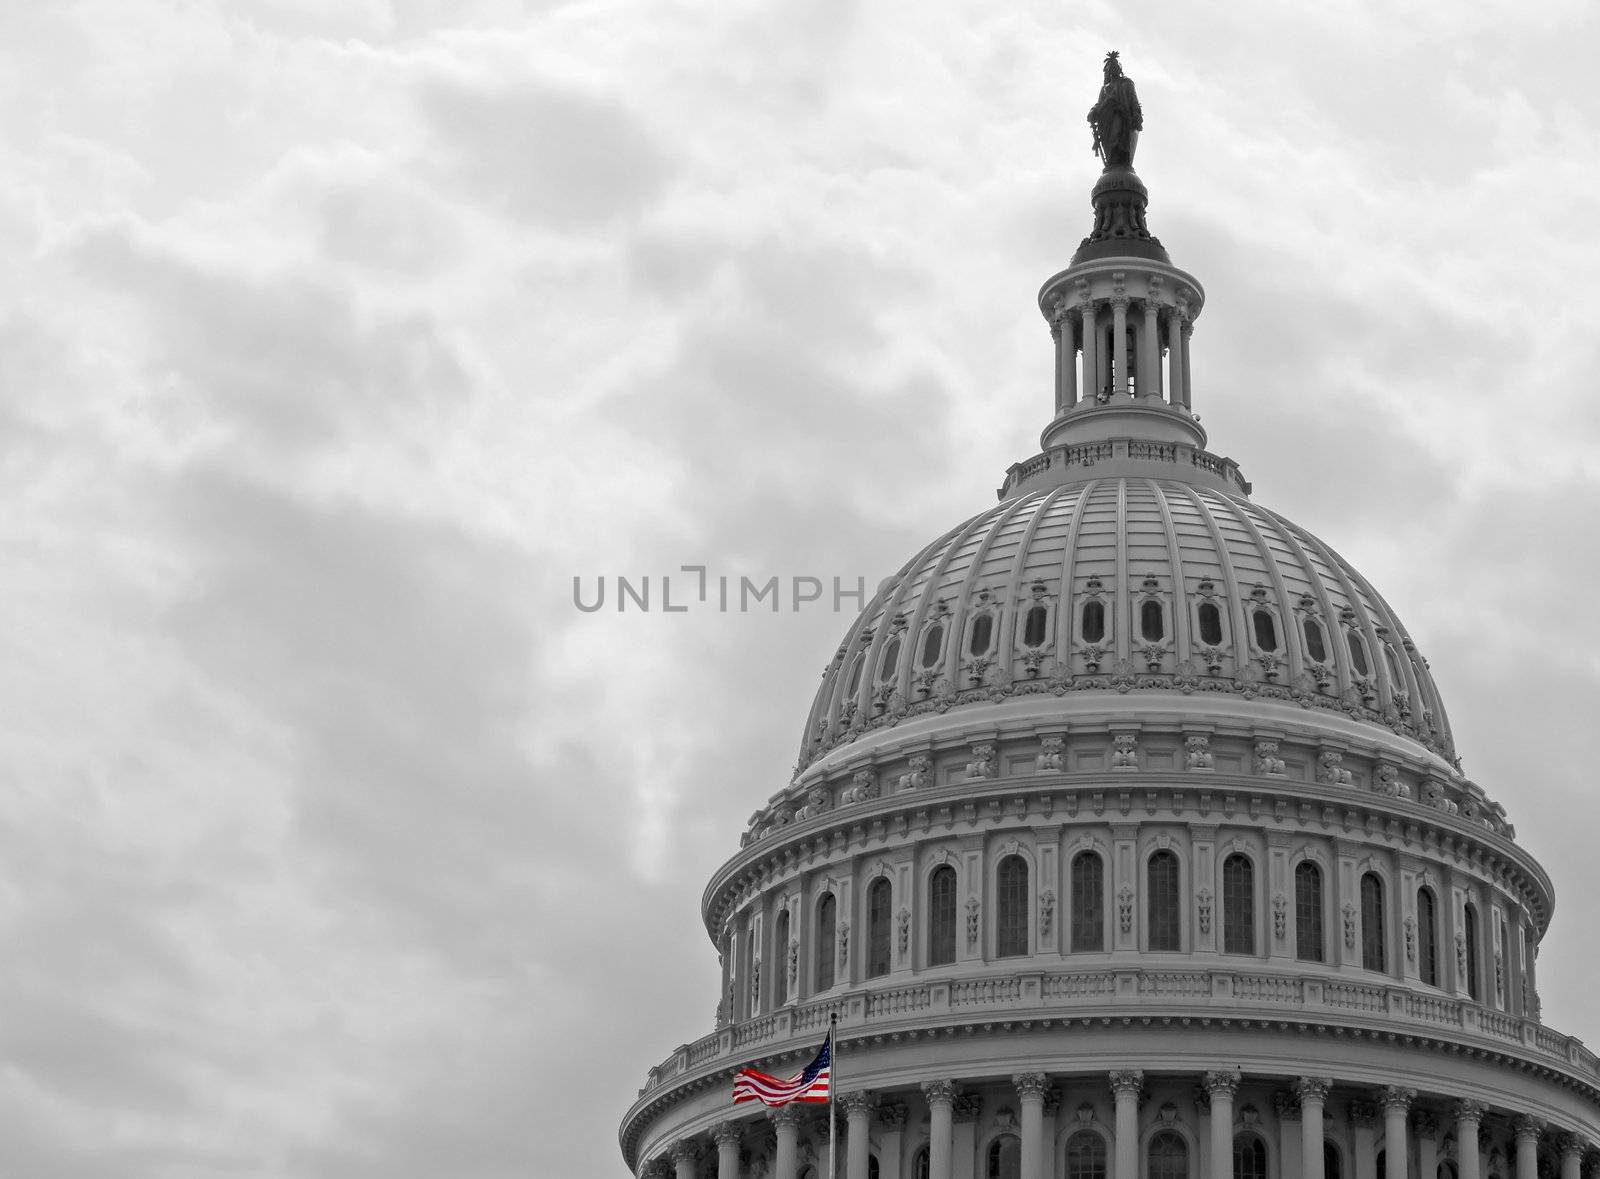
x=1127 y=838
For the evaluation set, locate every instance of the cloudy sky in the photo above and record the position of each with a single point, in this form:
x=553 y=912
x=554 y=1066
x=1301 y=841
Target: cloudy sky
x=337 y=339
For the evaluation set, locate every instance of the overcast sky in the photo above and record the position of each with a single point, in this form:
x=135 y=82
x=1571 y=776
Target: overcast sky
x=337 y=338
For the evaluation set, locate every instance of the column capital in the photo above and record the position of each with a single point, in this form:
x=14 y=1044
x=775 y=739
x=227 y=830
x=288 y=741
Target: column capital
x=1527 y=1127
x=1363 y=1113
x=1127 y=1080
x=1467 y=1111
x=1119 y=302
x=1220 y=1083
x=1052 y=1102
x=725 y=1132
x=1567 y=1142
x=1030 y=1085
x=859 y=1103
x=968 y=1107
x=1312 y=1089
x=684 y=1150
x=1287 y=1106
x=1425 y=1122
x=656 y=1168
x=892 y=1115
x=1396 y=1099
x=939 y=1092
x=786 y=1115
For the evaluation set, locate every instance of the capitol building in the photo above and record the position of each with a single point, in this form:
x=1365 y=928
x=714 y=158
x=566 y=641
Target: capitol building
x=1128 y=839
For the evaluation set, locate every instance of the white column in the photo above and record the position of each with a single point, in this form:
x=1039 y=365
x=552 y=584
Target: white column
x=1175 y=378
x=786 y=1121
x=1126 y=1085
x=1291 y=1148
x=1150 y=361
x=1221 y=1086
x=684 y=1153
x=858 y=1145
x=1468 y=1115
x=726 y=1135
x=941 y=1097
x=1363 y=1125
x=1313 y=1094
x=1119 y=344
x=1396 y=1103
x=1030 y=1092
x=891 y=1136
x=1188 y=370
x=964 y=1135
x=1426 y=1128
x=1091 y=359
x=1061 y=328
x=1527 y=1131
x=1571 y=1147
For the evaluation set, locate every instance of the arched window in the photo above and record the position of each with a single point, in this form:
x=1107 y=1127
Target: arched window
x=827 y=939
x=1382 y=1164
x=1033 y=626
x=1086 y=1156
x=942 y=916
x=1168 y=1157
x=1332 y=1164
x=921 y=1165
x=855 y=675
x=1308 y=912
x=1471 y=915
x=1005 y=1158
x=1374 y=940
x=780 y=955
x=1210 y=624
x=1445 y=1170
x=932 y=644
x=1238 y=905
x=1249 y=1157
x=1094 y=621
x=1011 y=908
x=1266 y=630
x=1428 y=937
x=879 y=918
x=1316 y=650
x=1151 y=623
x=982 y=634
x=1163 y=902
x=1088 y=902
x=872 y=1167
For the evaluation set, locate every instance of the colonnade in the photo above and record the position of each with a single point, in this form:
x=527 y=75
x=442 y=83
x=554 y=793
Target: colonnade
x=1108 y=374
x=952 y=1134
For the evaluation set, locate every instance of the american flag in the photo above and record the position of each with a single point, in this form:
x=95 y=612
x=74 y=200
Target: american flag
x=810 y=1085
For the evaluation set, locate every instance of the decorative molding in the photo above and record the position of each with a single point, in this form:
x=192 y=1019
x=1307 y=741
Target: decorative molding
x=1312 y=1089
x=1396 y=1099
x=1127 y=1081
x=1047 y=911
x=1030 y=1085
x=1203 y=900
x=1280 y=916
x=1125 y=907
x=1220 y=1083
x=939 y=1092
x=974 y=910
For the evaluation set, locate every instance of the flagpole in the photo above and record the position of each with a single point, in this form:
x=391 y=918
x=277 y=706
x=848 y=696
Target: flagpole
x=833 y=1080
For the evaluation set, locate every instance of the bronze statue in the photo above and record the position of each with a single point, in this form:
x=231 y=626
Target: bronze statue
x=1116 y=117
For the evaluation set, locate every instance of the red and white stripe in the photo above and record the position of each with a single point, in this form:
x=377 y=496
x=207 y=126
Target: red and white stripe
x=750 y=1085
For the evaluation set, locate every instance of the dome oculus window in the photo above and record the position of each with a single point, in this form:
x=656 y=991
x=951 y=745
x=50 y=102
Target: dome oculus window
x=1094 y=621
x=1316 y=650
x=891 y=657
x=982 y=635
x=1266 y=629
x=932 y=644
x=1033 y=626
x=1152 y=621
x=855 y=675
x=1210 y=624
x=1358 y=652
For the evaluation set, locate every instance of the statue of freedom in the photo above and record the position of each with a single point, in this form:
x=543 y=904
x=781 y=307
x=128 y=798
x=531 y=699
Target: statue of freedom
x=1116 y=117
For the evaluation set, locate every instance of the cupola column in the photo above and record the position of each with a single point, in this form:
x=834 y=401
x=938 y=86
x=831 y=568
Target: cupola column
x=1468 y=1115
x=1188 y=388
x=1061 y=327
x=1119 y=345
x=941 y=1097
x=1091 y=349
x=1126 y=1085
x=1527 y=1131
x=726 y=1135
x=1396 y=1104
x=786 y=1122
x=858 y=1120
x=1221 y=1086
x=1030 y=1091
x=1313 y=1094
x=1150 y=354
x=1177 y=379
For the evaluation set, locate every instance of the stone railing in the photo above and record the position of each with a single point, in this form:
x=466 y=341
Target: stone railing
x=1076 y=994
x=1086 y=455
